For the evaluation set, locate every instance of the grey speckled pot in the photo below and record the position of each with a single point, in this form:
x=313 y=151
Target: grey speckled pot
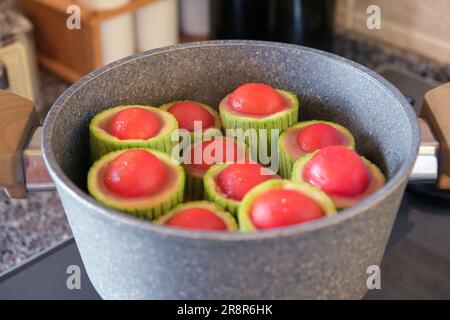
x=130 y=258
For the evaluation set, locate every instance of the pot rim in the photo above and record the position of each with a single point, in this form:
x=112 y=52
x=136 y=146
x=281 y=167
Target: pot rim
x=63 y=182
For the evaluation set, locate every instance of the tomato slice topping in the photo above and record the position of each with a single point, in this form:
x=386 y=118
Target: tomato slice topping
x=197 y=218
x=338 y=171
x=187 y=113
x=256 y=99
x=134 y=123
x=237 y=179
x=283 y=207
x=135 y=173
x=317 y=136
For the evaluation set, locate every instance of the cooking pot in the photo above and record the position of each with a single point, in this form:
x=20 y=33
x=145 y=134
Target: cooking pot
x=127 y=257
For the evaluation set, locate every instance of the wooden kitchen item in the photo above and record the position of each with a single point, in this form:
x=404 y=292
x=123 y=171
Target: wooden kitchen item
x=436 y=110
x=70 y=53
x=101 y=5
x=18 y=118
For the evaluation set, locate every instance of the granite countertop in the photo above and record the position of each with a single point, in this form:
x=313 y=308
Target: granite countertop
x=27 y=227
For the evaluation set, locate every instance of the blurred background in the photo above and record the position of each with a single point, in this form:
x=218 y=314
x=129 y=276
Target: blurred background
x=70 y=38
x=45 y=45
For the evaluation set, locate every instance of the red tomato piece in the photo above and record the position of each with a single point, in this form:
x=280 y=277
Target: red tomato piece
x=338 y=171
x=187 y=113
x=237 y=179
x=197 y=218
x=135 y=173
x=256 y=99
x=134 y=123
x=317 y=136
x=283 y=207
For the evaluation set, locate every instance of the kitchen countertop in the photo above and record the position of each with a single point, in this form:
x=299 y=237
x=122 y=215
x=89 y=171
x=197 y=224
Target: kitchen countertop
x=28 y=227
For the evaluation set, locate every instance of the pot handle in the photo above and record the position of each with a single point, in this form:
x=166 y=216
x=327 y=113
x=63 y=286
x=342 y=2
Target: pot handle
x=18 y=119
x=436 y=110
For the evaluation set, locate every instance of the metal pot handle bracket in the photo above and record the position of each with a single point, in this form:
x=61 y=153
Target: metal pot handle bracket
x=22 y=166
x=435 y=137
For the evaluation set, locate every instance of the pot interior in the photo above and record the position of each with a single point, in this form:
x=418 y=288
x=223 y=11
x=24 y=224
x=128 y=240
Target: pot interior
x=327 y=88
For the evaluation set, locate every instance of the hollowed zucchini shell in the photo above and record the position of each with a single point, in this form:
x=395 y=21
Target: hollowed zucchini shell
x=219 y=211
x=214 y=195
x=206 y=132
x=194 y=178
x=149 y=207
x=306 y=189
x=278 y=121
x=288 y=141
x=377 y=180
x=101 y=142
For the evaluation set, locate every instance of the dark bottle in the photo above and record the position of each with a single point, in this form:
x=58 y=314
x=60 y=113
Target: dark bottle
x=304 y=22
x=4 y=85
x=241 y=19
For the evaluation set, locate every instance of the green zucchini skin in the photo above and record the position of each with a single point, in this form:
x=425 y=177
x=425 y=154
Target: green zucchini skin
x=219 y=211
x=101 y=142
x=278 y=121
x=214 y=195
x=286 y=160
x=194 y=188
x=245 y=223
x=150 y=210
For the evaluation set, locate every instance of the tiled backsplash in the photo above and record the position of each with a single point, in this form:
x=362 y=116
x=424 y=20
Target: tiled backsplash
x=422 y=26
